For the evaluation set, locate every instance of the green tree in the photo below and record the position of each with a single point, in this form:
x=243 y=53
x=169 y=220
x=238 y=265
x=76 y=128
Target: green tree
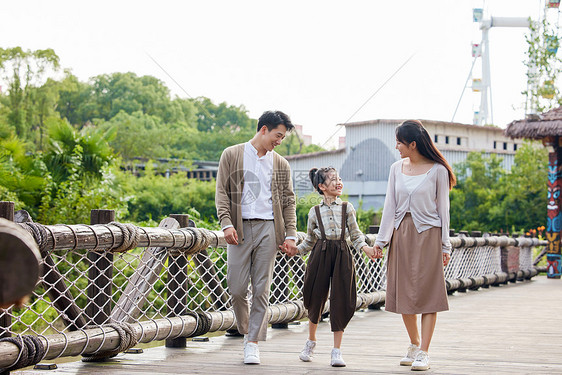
x=23 y=70
x=22 y=177
x=76 y=103
x=127 y=92
x=138 y=135
x=544 y=66
x=212 y=117
x=293 y=144
x=523 y=190
x=151 y=197
x=220 y=126
x=71 y=153
x=478 y=180
x=489 y=198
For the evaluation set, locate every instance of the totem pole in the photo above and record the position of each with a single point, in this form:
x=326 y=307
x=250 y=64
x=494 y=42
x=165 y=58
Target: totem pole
x=554 y=214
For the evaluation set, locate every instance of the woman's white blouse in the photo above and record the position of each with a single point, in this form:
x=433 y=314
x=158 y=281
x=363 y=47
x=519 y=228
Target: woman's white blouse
x=412 y=182
x=428 y=203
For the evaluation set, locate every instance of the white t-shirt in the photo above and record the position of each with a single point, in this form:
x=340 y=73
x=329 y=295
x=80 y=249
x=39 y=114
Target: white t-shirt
x=256 y=193
x=413 y=182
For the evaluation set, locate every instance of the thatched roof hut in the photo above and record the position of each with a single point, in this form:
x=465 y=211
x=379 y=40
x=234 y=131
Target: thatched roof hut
x=548 y=124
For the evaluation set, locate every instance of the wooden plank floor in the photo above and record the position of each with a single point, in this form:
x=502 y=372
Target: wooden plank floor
x=512 y=329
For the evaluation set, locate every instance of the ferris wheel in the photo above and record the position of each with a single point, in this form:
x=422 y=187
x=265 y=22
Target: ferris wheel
x=480 y=83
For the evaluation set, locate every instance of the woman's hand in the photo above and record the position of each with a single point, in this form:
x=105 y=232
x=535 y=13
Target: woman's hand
x=373 y=253
x=378 y=252
x=446 y=259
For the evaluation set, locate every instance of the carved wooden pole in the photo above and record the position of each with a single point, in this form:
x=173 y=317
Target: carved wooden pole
x=554 y=215
x=100 y=274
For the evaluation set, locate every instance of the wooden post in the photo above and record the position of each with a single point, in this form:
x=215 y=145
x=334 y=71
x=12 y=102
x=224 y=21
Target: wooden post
x=177 y=284
x=510 y=262
x=6 y=212
x=554 y=214
x=100 y=274
x=54 y=285
x=59 y=293
x=19 y=264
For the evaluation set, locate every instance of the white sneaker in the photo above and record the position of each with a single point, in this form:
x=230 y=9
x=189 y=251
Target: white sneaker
x=308 y=351
x=410 y=356
x=251 y=354
x=337 y=360
x=422 y=362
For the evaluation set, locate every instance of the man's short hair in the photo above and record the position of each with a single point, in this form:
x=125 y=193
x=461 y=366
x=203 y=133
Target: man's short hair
x=272 y=119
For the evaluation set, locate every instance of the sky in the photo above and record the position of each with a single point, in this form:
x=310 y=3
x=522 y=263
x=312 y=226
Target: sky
x=324 y=63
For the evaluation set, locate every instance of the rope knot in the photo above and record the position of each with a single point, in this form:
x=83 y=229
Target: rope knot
x=131 y=237
x=127 y=340
x=31 y=349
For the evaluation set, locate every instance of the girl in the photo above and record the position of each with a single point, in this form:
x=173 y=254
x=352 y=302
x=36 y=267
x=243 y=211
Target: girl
x=415 y=221
x=331 y=261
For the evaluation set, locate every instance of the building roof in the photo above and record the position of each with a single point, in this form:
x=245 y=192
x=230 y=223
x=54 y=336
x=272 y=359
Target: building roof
x=426 y=122
x=537 y=127
x=314 y=154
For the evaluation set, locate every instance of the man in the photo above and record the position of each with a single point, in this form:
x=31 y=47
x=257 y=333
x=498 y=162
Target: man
x=256 y=209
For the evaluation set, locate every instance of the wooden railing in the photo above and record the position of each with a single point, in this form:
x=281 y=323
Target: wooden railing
x=106 y=286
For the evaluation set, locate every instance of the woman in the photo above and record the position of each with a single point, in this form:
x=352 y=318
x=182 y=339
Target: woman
x=415 y=222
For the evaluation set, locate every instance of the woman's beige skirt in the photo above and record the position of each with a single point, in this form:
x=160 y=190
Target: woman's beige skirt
x=415 y=277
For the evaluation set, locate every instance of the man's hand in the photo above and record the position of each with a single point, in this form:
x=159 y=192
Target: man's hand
x=289 y=247
x=231 y=236
x=370 y=252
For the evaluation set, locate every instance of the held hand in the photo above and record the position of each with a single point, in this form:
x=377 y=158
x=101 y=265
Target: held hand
x=378 y=252
x=446 y=259
x=289 y=247
x=370 y=252
x=231 y=236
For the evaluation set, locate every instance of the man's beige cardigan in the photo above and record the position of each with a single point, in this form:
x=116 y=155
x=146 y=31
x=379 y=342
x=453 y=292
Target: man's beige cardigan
x=230 y=180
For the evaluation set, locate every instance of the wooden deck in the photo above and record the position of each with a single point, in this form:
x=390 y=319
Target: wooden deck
x=511 y=329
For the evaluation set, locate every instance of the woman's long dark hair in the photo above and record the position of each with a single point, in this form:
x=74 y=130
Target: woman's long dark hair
x=413 y=130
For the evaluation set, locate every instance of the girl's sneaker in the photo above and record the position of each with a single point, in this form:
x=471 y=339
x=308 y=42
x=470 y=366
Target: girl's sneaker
x=337 y=360
x=410 y=356
x=308 y=351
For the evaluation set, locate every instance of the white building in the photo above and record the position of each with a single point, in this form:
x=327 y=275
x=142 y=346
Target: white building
x=369 y=151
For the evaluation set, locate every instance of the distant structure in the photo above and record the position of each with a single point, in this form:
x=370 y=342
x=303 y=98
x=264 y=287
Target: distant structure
x=369 y=150
x=306 y=139
x=481 y=84
x=202 y=170
x=481 y=52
